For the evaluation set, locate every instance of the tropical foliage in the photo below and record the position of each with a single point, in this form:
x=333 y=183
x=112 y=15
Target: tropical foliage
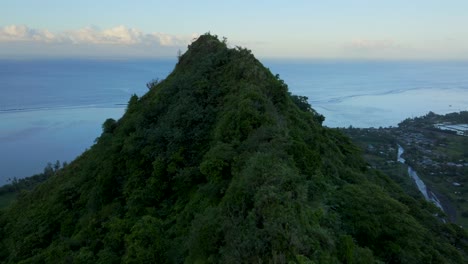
x=218 y=163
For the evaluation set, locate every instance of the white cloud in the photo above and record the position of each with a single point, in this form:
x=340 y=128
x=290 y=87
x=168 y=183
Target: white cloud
x=119 y=35
x=23 y=33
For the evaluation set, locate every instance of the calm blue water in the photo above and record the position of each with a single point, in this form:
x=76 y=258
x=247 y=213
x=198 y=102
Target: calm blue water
x=53 y=109
x=32 y=85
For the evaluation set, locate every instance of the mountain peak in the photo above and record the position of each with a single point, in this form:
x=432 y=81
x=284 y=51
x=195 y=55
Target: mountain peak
x=219 y=163
x=204 y=45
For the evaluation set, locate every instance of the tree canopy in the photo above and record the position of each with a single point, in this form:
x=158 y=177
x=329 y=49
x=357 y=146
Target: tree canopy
x=218 y=163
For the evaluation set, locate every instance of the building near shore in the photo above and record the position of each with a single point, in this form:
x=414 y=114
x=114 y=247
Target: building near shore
x=460 y=129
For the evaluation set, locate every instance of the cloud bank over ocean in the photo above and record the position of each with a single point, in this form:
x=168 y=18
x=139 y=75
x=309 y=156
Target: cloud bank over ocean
x=23 y=40
x=119 y=35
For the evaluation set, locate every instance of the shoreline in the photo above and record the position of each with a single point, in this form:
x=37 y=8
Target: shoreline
x=31 y=139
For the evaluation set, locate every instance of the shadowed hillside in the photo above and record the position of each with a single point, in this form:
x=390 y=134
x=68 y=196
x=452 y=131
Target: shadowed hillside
x=218 y=163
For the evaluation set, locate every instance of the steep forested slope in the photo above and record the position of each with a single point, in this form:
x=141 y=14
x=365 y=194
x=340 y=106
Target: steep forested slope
x=218 y=163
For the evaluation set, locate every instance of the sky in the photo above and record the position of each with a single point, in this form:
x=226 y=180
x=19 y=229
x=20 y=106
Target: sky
x=332 y=29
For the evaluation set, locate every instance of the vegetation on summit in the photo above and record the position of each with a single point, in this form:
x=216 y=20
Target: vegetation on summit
x=218 y=163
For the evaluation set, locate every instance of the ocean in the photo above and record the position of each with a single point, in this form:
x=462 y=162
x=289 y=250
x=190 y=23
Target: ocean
x=53 y=109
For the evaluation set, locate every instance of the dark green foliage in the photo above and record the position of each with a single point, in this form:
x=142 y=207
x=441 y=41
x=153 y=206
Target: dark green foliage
x=303 y=104
x=219 y=164
x=10 y=191
x=109 y=126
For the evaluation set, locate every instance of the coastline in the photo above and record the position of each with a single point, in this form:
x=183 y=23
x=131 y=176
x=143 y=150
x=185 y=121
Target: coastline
x=387 y=110
x=31 y=139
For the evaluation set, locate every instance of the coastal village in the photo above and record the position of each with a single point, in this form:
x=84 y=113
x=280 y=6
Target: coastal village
x=435 y=146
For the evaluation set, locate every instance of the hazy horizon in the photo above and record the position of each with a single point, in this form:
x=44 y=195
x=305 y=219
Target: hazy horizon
x=360 y=29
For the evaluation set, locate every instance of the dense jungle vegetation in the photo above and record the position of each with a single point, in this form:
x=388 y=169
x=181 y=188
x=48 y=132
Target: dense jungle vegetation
x=219 y=163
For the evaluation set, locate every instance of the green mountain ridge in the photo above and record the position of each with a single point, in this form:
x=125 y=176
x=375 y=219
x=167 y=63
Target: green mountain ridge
x=219 y=163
